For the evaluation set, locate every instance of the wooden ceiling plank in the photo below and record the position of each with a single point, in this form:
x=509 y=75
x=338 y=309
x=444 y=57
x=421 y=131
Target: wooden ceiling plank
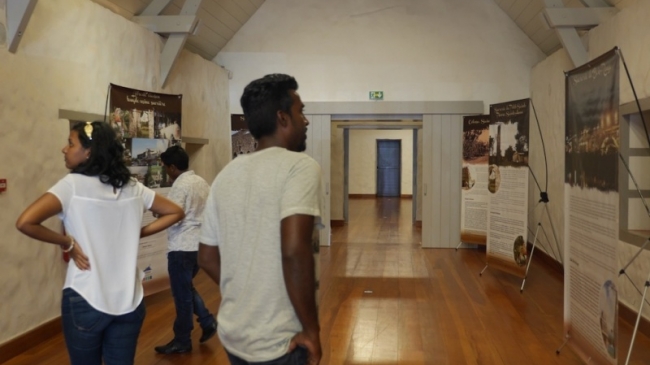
x=122 y=6
x=234 y=10
x=246 y=6
x=551 y=42
x=506 y=4
x=223 y=16
x=210 y=36
x=534 y=25
x=257 y=3
x=517 y=8
x=155 y=7
x=529 y=14
x=541 y=35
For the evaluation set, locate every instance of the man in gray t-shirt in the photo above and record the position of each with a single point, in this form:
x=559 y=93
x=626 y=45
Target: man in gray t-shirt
x=256 y=238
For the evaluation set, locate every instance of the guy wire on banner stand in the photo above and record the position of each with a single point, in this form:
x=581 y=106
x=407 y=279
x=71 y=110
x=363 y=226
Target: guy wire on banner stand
x=636 y=255
x=543 y=199
x=642 y=247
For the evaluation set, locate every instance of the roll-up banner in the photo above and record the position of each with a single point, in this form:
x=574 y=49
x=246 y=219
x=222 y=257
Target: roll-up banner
x=508 y=187
x=148 y=123
x=474 y=181
x=592 y=209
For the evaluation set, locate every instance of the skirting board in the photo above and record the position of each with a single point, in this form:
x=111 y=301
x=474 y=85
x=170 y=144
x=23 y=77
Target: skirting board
x=26 y=341
x=374 y=196
x=341 y=223
x=53 y=327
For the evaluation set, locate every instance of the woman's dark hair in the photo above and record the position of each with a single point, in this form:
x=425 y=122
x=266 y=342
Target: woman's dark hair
x=261 y=100
x=106 y=158
x=176 y=155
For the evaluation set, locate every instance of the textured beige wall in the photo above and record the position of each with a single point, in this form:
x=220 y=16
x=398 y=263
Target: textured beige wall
x=630 y=31
x=70 y=52
x=363 y=159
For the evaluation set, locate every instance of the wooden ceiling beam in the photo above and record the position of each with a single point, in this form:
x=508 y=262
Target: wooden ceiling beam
x=18 y=13
x=179 y=27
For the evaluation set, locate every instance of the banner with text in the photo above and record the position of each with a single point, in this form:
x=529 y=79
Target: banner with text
x=592 y=208
x=508 y=187
x=148 y=123
x=474 y=193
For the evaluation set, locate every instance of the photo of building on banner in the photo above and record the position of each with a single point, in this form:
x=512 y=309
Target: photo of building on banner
x=508 y=187
x=474 y=192
x=592 y=209
x=148 y=123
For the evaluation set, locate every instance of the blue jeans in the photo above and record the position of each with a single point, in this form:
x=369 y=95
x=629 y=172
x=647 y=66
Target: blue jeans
x=183 y=267
x=91 y=335
x=296 y=357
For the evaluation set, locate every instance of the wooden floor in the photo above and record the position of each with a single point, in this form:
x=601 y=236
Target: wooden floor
x=385 y=300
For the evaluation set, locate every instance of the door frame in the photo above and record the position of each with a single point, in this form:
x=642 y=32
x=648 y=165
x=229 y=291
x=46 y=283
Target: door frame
x=437 y=117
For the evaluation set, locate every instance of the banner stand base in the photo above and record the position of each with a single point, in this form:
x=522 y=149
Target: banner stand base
x=566 y=340
x=645 y=290
x=530 y=258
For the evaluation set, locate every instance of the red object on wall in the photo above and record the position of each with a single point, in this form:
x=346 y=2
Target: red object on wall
x=3 y=185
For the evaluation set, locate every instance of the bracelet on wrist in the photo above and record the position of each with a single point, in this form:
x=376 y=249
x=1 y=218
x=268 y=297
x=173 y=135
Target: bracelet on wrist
x=71 y=247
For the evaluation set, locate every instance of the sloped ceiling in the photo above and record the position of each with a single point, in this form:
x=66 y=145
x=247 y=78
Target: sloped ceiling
x=221 y=19
x=528 y=16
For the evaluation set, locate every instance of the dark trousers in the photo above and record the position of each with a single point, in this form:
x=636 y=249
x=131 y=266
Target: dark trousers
x=91 y=335
x=296 y=357
x=183 y=267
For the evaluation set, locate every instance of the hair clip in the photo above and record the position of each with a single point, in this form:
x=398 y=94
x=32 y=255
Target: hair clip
x=89 y=130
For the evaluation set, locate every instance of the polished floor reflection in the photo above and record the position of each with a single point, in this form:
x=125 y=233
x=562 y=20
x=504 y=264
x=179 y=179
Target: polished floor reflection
x=385 y=300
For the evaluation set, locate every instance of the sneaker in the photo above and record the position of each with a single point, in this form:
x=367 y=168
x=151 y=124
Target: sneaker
x=173 y=348
x=208 y=332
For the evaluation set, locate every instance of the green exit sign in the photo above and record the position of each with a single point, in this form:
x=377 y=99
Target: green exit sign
x=376 y=95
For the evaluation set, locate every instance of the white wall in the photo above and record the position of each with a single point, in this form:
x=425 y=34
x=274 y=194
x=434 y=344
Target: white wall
x=70 y=52
x=413 y=50
x=363 y=159
x=629 y=30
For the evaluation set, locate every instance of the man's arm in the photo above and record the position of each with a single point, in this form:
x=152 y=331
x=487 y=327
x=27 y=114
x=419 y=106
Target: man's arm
x=210 y=261
x=299 y=279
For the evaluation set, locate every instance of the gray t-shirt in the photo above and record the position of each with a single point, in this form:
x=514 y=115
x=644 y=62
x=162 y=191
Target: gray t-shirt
x=247 y=202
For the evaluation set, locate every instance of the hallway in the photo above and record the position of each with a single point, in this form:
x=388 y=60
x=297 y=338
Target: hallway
x=384 y=300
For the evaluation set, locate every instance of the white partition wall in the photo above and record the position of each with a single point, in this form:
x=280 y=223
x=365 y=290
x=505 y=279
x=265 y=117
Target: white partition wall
x=318 y=147
x=441 y=180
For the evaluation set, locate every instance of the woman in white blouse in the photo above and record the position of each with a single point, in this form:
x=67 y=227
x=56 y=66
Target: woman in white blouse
x=101 y=207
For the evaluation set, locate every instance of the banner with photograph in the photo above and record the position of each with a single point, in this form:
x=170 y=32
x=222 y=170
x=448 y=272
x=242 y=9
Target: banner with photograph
x=242 y=140
x=148 y=123
x=508 y=187
x=592 y=208
x=474 y=192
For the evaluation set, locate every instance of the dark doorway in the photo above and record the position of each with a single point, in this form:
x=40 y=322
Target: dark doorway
x=389 y=167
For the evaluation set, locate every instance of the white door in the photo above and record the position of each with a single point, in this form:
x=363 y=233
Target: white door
x=318 y=147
